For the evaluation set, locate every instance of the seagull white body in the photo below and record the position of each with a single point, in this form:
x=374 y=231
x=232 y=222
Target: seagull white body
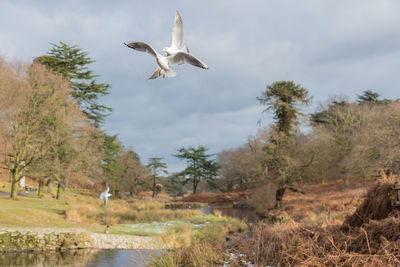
x=105 y=195
x=165 y=63
x=177 y=37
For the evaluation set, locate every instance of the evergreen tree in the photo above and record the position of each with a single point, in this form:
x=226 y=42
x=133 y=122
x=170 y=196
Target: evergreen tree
x=283 y=98
x=371 y=98
x=156 y=165
x=175 y=185
x=199 y=166
x=368 y=96
x=72 y=63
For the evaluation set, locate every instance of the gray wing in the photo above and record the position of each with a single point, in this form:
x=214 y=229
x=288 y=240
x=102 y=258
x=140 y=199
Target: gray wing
x=183 y=57
x=142 y=47
x=177 y=31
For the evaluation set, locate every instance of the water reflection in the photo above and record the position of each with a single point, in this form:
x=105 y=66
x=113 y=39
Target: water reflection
x=85 y=257
x=246 y=215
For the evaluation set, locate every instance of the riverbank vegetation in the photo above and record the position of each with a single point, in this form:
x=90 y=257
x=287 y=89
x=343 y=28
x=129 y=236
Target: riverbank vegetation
x=369 y=236
x=205 y=247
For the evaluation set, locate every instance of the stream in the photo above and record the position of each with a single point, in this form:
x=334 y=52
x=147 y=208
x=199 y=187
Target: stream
x=84 y=257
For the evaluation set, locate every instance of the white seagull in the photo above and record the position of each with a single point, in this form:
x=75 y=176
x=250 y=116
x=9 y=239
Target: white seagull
x=165 y=63
x=105 y=195
x=177 y=37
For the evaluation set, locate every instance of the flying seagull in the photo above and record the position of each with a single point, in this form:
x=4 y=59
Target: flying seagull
x=105 y=195
x=177 y=37
x=166 y=62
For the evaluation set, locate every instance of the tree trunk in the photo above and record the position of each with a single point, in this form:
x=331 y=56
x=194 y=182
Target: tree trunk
x=279 y=196
x=346 y=181
x=132 y=190
x=14 y=182
x=58 y=190
x=194 y=185
x=154 y=187
x=40 y=189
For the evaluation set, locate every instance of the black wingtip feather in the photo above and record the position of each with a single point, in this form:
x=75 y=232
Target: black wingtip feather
x=130 y=45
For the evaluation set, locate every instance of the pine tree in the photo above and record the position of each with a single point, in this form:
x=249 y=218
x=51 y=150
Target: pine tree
x=72 y=63
x=199 y=166
x=155 y=165
x=283 y=98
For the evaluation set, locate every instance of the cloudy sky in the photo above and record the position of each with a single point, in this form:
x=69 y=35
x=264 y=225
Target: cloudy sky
x=330 y=47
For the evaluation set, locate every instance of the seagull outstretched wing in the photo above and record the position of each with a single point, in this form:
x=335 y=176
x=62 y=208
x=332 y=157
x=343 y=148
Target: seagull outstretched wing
x=183 y=57
x=177 y=32
x=142 y=47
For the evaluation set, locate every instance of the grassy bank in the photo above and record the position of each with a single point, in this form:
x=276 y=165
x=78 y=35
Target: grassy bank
x=85 y=210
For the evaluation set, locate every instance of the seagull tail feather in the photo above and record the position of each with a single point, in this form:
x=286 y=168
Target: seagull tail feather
x=170 y=73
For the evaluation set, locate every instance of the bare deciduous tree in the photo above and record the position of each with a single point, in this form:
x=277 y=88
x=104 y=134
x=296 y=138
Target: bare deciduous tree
x=43 y=130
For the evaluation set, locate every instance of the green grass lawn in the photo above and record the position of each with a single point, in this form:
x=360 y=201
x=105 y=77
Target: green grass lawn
x=87 y=211
x=32 y=211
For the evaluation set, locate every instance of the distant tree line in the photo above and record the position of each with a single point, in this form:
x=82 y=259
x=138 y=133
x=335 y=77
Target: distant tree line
x=348 y=140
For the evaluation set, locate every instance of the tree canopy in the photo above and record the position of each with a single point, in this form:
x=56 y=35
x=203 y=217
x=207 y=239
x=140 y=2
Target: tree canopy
x=283 y=98
x=199 y=166
x=72 y=63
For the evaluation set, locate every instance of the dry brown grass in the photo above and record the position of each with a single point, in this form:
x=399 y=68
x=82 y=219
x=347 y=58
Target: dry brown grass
x=373 y=240
x=376 y=206
x=206 y=247
x=321 y=203
x=92 y=211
